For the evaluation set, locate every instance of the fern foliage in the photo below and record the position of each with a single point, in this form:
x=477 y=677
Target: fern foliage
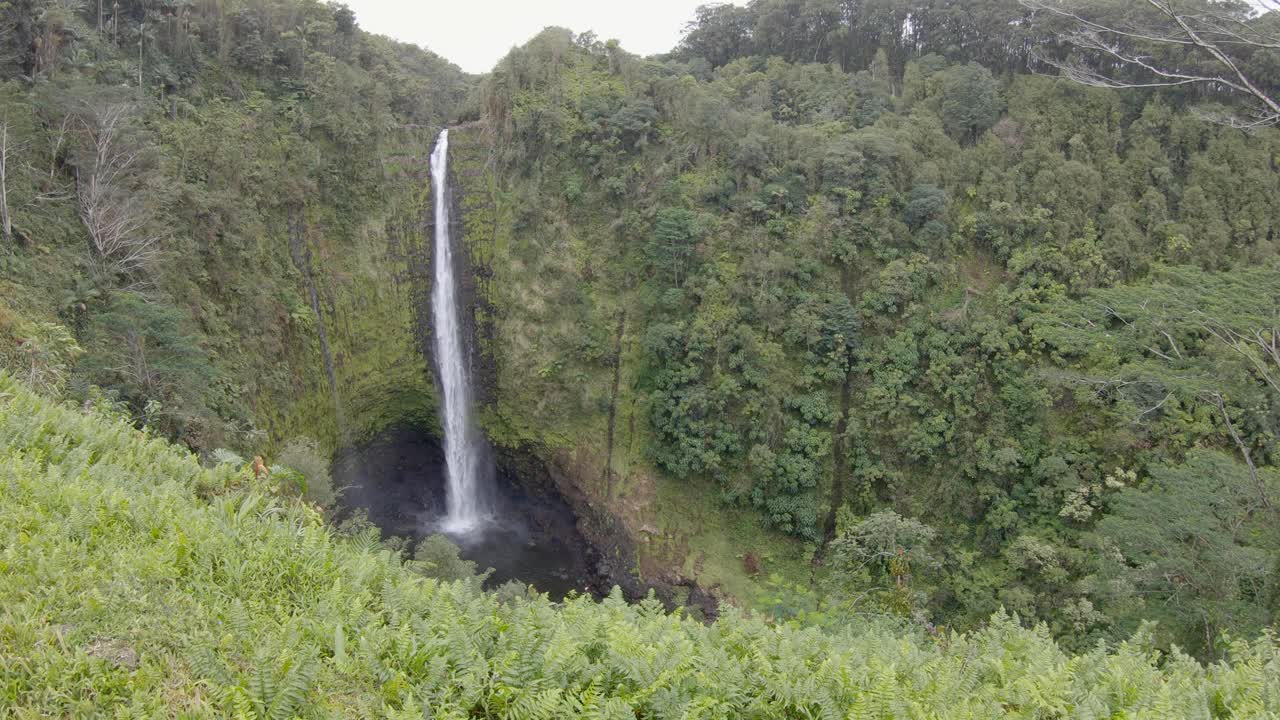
x=136 y=583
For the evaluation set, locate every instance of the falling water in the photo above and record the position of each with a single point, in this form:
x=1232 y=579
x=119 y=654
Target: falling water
x=466 y=461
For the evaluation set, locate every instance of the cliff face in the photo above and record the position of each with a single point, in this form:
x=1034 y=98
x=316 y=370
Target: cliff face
x=360 y=362
x=267 y=260
x=310 y=308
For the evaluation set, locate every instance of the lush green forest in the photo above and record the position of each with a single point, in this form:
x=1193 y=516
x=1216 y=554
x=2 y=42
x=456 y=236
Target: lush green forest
x=213 y=242
x=894 y=325
x=980 y=338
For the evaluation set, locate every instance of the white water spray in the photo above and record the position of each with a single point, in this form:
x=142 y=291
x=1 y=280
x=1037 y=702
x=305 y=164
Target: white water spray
x=465 y=456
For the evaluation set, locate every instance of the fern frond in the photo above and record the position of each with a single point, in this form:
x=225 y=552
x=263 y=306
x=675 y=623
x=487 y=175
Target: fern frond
x=292 y=689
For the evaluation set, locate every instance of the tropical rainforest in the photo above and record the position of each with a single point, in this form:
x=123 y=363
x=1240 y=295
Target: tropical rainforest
x=936 y=344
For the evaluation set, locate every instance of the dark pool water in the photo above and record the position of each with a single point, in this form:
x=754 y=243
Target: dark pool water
x=398 y=480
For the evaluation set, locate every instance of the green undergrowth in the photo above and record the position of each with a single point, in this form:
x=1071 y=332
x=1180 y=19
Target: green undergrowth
x=712 y=546
x=140 y=584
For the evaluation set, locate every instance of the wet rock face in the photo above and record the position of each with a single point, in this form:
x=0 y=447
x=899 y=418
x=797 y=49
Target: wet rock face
x=398 y=479
x=614 y=548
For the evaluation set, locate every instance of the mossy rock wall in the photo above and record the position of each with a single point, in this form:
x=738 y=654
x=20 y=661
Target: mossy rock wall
x=372 y=280
x=312 y=304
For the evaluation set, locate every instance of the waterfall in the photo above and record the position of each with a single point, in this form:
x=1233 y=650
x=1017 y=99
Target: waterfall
x=467 y=462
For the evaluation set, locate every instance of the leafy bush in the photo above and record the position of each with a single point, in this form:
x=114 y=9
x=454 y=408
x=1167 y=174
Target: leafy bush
x=39 y=354
x=303 y=455
x=436 y=556
x=143 y=351
x=223 y=456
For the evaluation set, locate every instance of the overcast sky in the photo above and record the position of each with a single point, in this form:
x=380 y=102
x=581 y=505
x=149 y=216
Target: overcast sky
x=475 y=34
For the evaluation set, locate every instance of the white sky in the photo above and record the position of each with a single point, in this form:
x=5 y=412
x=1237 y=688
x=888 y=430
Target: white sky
x=475 y=34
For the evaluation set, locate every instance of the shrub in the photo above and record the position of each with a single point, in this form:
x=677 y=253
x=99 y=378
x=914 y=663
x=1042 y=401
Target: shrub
x=223 y=456
x=436 y=556
x=39 y=354
x=303 y=455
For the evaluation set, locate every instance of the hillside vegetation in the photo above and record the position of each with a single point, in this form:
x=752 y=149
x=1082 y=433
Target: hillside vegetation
x=214 y=215
x=973 y=336
x=140 y=584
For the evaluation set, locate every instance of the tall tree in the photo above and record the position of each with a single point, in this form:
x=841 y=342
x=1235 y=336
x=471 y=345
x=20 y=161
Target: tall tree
x=970 y=101
x=1187 y=549
x=718 y=33
x=113 y=211
x=1211 y=44
x=671 y=245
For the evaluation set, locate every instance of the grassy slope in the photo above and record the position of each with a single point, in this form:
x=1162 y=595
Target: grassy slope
x=137 y=583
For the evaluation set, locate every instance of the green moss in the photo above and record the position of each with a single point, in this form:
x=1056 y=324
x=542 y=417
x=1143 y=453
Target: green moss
x=373 y=281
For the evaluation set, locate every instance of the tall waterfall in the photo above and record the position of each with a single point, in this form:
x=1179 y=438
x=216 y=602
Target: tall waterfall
x=465 y=455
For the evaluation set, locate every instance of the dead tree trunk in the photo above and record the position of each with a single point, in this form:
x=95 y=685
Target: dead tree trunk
x=6 y=222
x=118 y=220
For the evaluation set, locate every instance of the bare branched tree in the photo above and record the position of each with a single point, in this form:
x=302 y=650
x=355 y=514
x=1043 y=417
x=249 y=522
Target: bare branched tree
x=135 y=366
x=58 y=138
x=1171 y=43
x=8 y=35
x=118 y=220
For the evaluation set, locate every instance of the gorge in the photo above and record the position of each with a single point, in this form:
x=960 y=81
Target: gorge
x=846 y=323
